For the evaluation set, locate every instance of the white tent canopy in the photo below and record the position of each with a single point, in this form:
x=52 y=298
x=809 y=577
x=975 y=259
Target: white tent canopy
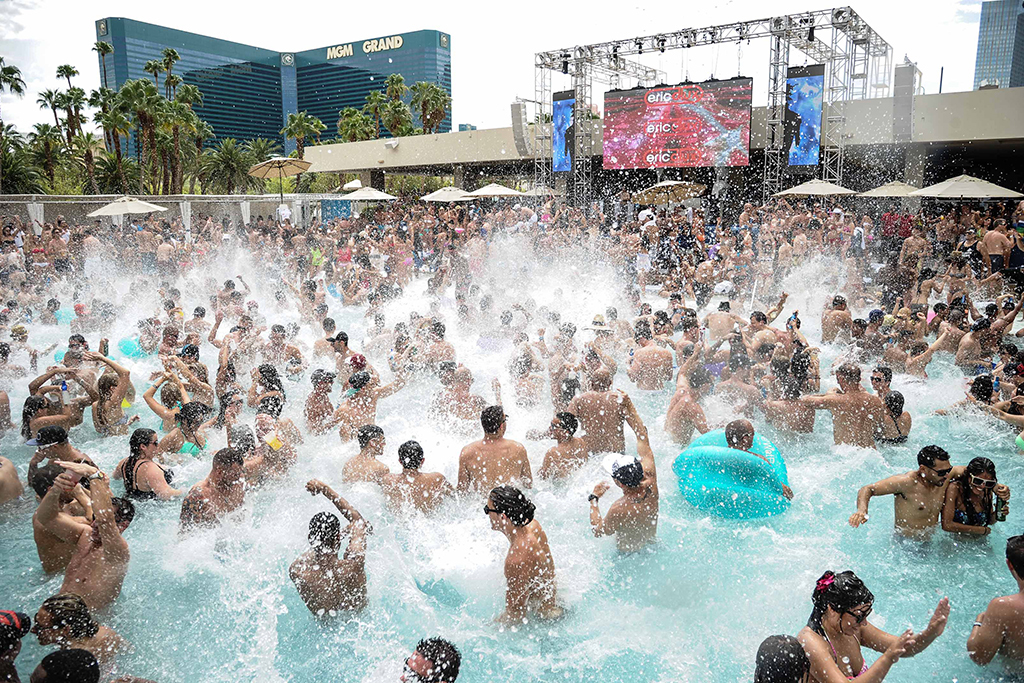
x=446 y=194
x=669 y=191
x=126 y=205
x=814 y=188
x=368 y=194
x=893 y=189
x=966 y=187
x=495 y=190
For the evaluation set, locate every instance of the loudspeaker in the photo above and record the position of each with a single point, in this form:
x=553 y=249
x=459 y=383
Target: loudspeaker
x=519 y=129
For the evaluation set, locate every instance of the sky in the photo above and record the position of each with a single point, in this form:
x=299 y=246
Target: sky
x=492 y=51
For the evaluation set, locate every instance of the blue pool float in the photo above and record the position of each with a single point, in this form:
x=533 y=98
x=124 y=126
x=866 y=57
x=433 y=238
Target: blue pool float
x=730 y=483
x=63 y=317
x=333 y=291
x=129 y=346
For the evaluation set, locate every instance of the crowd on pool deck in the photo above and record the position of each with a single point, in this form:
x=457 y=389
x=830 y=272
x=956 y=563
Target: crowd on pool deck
x=911 y=292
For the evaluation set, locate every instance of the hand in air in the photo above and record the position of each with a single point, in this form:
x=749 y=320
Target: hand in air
x=1002 y=491
x=899 y=647
x=857 y=518
x=80 y=468
x=315 y=486
x=937 y=624
x=601 y=488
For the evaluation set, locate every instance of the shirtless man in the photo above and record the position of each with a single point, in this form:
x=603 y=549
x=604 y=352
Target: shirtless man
x=1000 y=628
x=684 y=412
x=61 y=518
x=10 y=483
x=633 y=518
x=529 y=566
x=603 y=412
x=650 y=365
x=856 y=414
x=100 y=563
x=221 y=493
x=917 y=495
x=836 y=322
x=318 y=410
x=66 y=621
x=198 y=324
x=438 y=349
x=569 y=452
x=493 y=460
x=425 y=491
x=975 y=346
x=280 y=354
x=364 y=465
x=329 y=584
x=359 y=407
x=722 y=323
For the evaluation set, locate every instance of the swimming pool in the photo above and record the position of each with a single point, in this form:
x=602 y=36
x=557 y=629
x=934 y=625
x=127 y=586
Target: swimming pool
x=219 y=605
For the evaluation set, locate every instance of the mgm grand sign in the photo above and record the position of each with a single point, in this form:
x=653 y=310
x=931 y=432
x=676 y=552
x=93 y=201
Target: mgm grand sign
x=369 y=46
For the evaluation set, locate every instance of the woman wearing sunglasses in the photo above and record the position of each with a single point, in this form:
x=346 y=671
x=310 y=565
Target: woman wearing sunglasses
x=970 y=506
x=838 y=628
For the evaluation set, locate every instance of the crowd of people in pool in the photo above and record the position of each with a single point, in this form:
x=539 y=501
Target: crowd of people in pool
x=910 y=292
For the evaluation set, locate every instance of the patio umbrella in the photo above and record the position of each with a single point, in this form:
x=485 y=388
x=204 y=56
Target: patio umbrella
x=893 y=189
x=814 y=188
x=446 y=194
x=368 y=194
x=966 y=187
x=495 y=190
x=352 y=184
x=126 y=205
x=280 y=168
x=669 y=191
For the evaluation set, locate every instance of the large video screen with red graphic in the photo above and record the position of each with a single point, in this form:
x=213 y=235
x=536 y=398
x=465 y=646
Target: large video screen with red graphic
x=698 y=124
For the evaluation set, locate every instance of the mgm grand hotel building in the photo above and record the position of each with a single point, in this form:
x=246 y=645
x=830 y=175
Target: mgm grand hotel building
x=248 y=91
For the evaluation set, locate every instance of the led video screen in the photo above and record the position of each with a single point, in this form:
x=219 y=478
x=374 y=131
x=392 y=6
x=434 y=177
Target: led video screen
x=697 y=124
x=805 y=91
x=563 y=130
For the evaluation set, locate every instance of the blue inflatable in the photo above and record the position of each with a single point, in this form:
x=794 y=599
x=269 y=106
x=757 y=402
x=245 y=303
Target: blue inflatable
x=333 y=291
x=64 y=317
x=129 y=346
x=730 y=483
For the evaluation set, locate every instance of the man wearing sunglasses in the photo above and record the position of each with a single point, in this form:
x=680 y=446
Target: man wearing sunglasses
x=1000 y=628
x=918 y=495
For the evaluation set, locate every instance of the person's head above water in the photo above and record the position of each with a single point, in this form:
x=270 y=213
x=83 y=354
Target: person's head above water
x=509 y=503
x=435 y=660
x=933 y=465
x=739 y=434
x=325 y=532
x=840 y=600
x=410 y=455
x=371 y=436
x=781 y=659
x=67 y=666
x=492 y=419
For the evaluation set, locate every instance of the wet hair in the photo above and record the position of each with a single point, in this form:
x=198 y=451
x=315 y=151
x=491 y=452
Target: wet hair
x=192 y=415
x=410 y=454
x=781 y=659
x=982 y=387
x=568 y=422
x=199 y=312
x=992 y=310
x=491 y=419
x=13 y=627
x=360 y=379
x=849 y=372
x=269 y=377
x=270 y=405
x=43 y=478
x=277 y=329
x=106 y=384
x=642 y=330
x=325 y=531
x=124 y=510
x=939 y=308
x=226 y=457
x=894 y=401
x=929 y=454
x=438 y=329
x=1015 y=554
x=328 y=325
x=570 y=387
x=760 y=317
x=975 y=467
x=170 y=395
x=69 y=610
x=511 y=502
x=841 y=592
x=368 y=433
x=444 y=660
x=139 y=438
x=225 y=402
x=446 y=372
x=342 y=337
x=242 y=439
x=736 y=431
x=885 y=372
x=32 y=406
x=71 y=666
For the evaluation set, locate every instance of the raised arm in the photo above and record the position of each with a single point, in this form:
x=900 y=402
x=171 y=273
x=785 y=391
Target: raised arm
x=886 y=487
x=149 y=397
x=102 y=507
x=48 y=514
x=123 y=374
x=358 y=526
x=33 y=386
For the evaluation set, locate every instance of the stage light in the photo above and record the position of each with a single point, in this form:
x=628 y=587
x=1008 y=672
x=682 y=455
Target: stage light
x=639 y=47
x=810 y=35
x=661 y=44
x=565 y=63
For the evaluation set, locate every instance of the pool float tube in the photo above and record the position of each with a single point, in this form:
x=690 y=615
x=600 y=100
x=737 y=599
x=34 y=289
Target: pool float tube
x=333 y=291
x=64 y=317
x=129 y=346
x=730 y=483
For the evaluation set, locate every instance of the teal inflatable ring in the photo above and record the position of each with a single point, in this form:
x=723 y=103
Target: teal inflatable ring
x=730 y=483
x=129 y=346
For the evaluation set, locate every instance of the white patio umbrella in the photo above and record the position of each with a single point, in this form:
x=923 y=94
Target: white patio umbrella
x=966 y=187
x=814 y=188
x=126 y=205
x=352 y=184
x=280 y=168
x=543 y=191
x=495 y=190
x=446 y=194
x=893 y=189
x=669 y=191
x=368 y=194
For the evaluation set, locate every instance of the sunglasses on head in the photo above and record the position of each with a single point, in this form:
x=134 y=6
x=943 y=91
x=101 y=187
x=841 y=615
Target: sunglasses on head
x=986 y=483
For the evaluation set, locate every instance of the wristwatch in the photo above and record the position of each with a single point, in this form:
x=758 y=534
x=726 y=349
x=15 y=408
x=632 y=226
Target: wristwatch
x=96 y=475
x=591 y=498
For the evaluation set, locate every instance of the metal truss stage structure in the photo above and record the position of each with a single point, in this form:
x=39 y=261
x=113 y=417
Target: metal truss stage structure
x=858 y=65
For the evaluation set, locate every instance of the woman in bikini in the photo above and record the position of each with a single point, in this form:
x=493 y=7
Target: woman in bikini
x=107 y=414
x=189 y=437
x=838 y=628
x=969 y=505
x=896 y=422
x=145 y=479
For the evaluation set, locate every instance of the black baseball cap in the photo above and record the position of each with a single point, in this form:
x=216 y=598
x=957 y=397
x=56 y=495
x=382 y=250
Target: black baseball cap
x=49 y=436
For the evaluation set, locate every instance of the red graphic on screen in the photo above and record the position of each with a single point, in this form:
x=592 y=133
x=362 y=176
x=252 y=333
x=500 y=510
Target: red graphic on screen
x=702 y=124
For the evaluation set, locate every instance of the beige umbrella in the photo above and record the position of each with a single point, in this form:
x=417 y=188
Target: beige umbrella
x=446 y=194
x=814 y=188
x=893 y=189
x=368 y=194
x=280 y=168
x=495 y=190
x=126 y=205
x=966 y=187
x=669 y=191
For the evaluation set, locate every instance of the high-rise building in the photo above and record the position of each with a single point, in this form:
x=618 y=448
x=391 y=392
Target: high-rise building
x=1000 y=57
x=248 y=91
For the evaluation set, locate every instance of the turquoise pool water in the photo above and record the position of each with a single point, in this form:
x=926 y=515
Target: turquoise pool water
x=218 y=606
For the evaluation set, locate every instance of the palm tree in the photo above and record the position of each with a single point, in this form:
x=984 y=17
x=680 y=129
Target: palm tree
x=261 y=149
x=300 y=126
x=142 y=99
x=11 y=81
x=171 y=83
x=353 y=125
x=178 y=116
x=76 y=100
x=115 y=177
x=170 y=56
x=116 y=123
x=396 y=117
x=103 y=48
x=375 y=101
x=154 y=68
x=46 y=142
x=201 y=132
x=48 y=100
x=395 y=87
x=66 y=71
x=228 y=166
x=85 y=143
x=438 y=103
x=189 y=95
x=102 y=99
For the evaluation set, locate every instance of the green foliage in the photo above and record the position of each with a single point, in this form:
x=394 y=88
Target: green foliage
x=354 y=126
x=413 y=186
x=20 y=174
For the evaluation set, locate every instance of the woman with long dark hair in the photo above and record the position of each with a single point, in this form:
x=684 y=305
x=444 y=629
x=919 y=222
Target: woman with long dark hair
x=189 y=436
x=969 y=507
x=266 y=382
x=145 y=479
x=838 y=628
